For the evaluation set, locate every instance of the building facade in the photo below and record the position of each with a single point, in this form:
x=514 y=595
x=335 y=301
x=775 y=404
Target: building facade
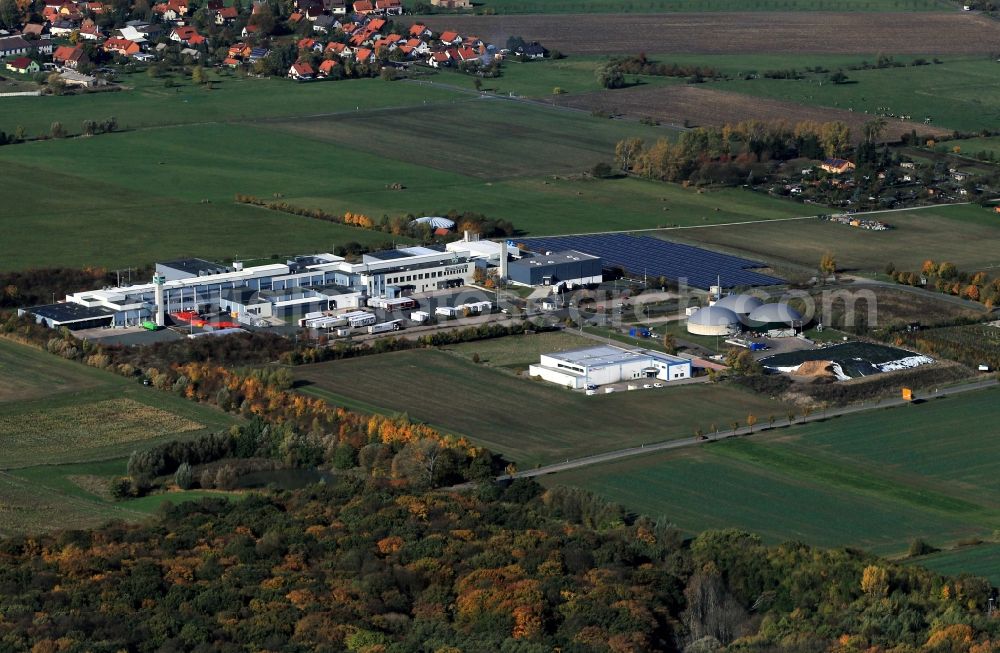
x=606 y=364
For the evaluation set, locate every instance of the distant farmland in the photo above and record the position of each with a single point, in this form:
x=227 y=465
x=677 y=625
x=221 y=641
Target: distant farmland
x=875 y=480
x=697 y=106
x=953 y=32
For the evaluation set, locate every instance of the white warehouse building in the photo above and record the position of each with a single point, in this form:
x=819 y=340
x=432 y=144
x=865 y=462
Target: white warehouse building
x=604 y=364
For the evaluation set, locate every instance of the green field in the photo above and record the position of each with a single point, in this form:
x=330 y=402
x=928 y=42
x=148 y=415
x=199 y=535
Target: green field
x=67 y=430
x=518 y=352
x=979 y=560
x=147 y=103
x=947 y=233
x=176 y=197
x=875 y=480
x=528 y=421
x=961 y=93
x=85 y=414
x=654 y=6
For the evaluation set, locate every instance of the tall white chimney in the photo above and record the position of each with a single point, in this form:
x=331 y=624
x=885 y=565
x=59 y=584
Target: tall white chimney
x=503 y=260
x=158 y=281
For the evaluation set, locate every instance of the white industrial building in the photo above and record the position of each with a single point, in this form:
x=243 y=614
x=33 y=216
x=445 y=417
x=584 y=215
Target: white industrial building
x=604 y=364
x=301 y=285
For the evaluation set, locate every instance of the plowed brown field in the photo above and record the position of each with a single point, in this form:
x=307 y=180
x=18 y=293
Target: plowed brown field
x=732 y=33
x=698 y=107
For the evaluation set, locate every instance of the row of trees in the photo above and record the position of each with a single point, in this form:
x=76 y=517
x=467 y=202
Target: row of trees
x=731 y=153
x=397 y=225
x=945 y=277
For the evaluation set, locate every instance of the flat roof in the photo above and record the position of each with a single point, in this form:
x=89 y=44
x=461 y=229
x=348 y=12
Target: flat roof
x=194 y=266
x=555 y=258
x=388 y=255
x=605 y=355
x=70 y=312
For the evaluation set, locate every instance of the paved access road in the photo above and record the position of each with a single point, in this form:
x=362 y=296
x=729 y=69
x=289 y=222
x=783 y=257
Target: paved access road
x=597 y=459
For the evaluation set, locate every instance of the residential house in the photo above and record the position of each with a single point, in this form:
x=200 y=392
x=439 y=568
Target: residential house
x=33 y=30
x=364 y=55
x=327 y=67
x=417 y=46
x=463 y=54
x=250 y=31
x=23 y=66
x=364 y=7
x=187 y=35
x=148 y=31
x=339 y=49
x=301 y=71
x=14 y=46
x=231 y=62
x=336 y=7
x=439 y=60
x=450 y=38
x=837 y=166
x=239 y=51
x=532 y=51
x=325 y=24
x=311 y=45
x=191 y=52
x=89 y=31
x=130 y=33
x=258 y=53
x=389 y=7
x=226 y=15
x=419 y=30
x=61 y=27
x=375 y=25
x=124 y=47
x=70 y=56
x=296 y=17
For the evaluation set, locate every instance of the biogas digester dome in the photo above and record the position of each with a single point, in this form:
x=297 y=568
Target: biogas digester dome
x=739 y=304
x=713 y=321
x=774 y=314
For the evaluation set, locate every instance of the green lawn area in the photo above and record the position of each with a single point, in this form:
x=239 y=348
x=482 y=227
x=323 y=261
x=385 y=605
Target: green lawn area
x=175 y=198
x=979 y=560
x=973 y=146
x=948 y=233
x=528 y=421
x=961 y=93
x=653 y=6
x=148 y=103
x=518 y=352
x=86 y=414
x=875 y=480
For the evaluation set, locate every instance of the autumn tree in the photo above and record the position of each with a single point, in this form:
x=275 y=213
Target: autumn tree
x=627 y=151
x=670 y=343
x=827 y=265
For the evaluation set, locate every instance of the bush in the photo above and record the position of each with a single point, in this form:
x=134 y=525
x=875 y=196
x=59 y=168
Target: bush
x=920 y=547
x=184 y=476
x=121 y=488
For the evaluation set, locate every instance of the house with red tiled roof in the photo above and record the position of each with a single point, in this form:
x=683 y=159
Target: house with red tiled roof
x=90 y=31
x=363 y=7
x=338 y=49
x=250 y=30
x=418 y=30
x=301 y=71
x=349 y=28
x=364 y=55
x=450 y=38
x=226 y=15
x=186 y=35
x=327 y=67
x=239 y=50
x=357 y=40
x=70 y=56
x=389 y=7
x=231 y=62
x=295 y=17
x=123 y=47
x=439 y=60
x=33 y=30
x=23 y=66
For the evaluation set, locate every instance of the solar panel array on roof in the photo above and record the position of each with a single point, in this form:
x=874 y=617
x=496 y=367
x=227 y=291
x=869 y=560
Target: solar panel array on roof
x=660 y=258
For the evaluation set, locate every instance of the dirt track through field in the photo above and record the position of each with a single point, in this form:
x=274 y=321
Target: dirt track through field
x=732 y=33
x=696 y=106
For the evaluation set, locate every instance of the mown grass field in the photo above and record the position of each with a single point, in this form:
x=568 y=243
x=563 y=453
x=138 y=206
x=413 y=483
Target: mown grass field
x=875 y=480
x=948 y=233
x=529 y=421
x=88 y=415
x=147 y=103
x=518 y=352
x=176 y=197
x=66 y=431
x=26 y=374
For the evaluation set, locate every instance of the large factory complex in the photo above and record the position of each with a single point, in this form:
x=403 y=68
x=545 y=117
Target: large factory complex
x=279 y=292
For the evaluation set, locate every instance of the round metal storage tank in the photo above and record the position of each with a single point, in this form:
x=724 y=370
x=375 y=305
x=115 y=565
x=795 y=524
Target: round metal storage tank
x=740 y=304
x=775 y=314
x=712 y=321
